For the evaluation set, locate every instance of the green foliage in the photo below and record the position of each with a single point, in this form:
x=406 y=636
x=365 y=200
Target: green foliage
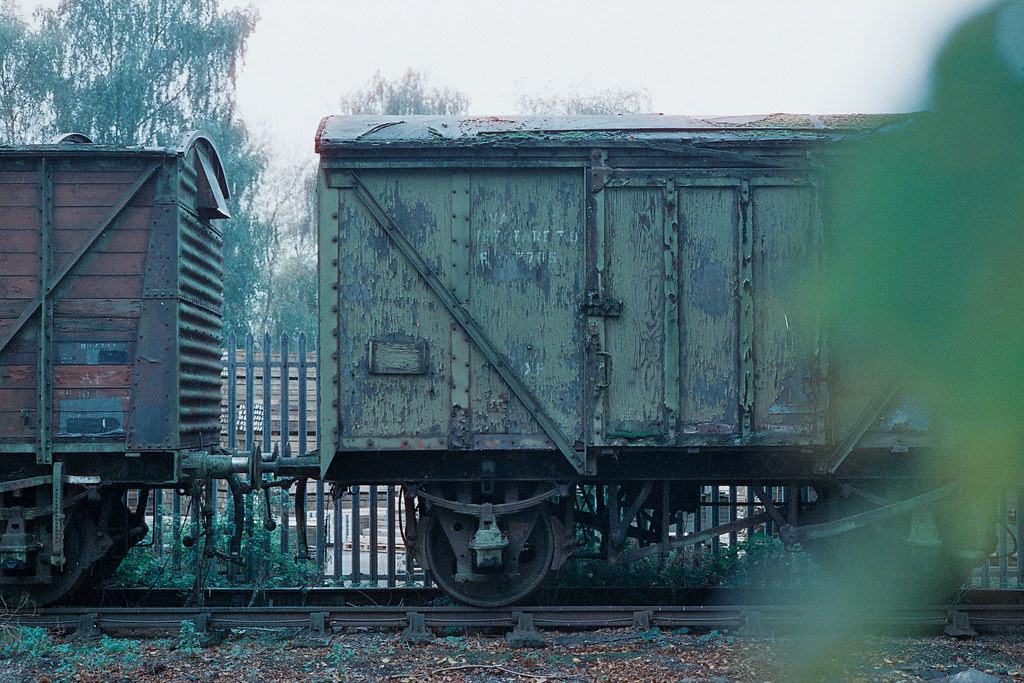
x=407 y=94
x=757 y=561
x=273 y=567
x=141 y=72
x=136 y=72
x=189 y=639
x=36 y=645
x=28 y=641
x=265 y=565
x=248 y=236
x=22 y=68
x=288 y=301
x=343 y=654
x=928 y=257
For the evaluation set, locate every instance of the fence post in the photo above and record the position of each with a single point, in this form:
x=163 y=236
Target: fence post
x=158 y=521
x=232 y=423
x=1004 y=562
x=716 y=497
x=176 y=530
x=373 y=534
x=250 y=399
x=1018 y=555
x=392 y=521
x=337 y=495
x=321 y=522
x=303 y=435
x=356 y=534
x=733 y=514
x=284 y=387
x=751 y=530
x=266 y=423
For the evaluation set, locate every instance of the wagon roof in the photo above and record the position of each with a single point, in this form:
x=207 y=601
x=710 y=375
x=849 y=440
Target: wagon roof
x=195 y=146
x=348 y=131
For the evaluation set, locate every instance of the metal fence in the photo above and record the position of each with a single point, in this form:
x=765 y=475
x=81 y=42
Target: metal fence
x=355 y=534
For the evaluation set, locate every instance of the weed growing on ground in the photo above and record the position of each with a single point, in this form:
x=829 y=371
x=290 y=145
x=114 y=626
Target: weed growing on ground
x=759 y=561
x=25 y=641
x=189 y=638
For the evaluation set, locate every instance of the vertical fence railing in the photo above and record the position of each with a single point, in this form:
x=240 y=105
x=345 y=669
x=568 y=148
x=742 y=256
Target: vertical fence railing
x=357 y=539
x=270 y=395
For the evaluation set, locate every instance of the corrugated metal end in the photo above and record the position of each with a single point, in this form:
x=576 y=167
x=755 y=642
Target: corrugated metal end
x=199 y=330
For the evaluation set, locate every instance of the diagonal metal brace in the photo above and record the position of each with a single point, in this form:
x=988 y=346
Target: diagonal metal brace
x=826 y=529
x=863 y=423
x=769 y=506
x=111 y=216
x=689 y=539
x=468 y=323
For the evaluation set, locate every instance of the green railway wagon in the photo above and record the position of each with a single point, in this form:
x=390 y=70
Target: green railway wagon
x=110 y=295
x=517 y=310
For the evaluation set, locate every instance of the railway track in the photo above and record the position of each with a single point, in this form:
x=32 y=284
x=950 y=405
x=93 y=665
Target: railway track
x=984 y=610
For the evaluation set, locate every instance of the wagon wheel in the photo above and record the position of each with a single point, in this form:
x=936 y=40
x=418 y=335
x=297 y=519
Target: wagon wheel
x=79 y=551
x=125 y=529
x=909 y=558
x=525 y=566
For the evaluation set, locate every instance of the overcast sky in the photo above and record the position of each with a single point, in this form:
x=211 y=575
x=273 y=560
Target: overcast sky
x=708 y=57
x=711 y=57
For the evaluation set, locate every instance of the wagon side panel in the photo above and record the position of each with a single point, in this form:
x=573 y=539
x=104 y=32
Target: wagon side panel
x=526 y=290
x=787 y=378
x=20 y=245
x=709 y=296
x=68 y=370
x=392 y=335
x=634 y=235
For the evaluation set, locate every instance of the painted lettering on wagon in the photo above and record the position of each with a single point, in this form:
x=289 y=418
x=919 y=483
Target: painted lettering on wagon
x=532 y=247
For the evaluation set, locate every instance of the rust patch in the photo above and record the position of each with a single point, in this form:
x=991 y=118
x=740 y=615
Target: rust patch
x=458 y=428
x=498 y=403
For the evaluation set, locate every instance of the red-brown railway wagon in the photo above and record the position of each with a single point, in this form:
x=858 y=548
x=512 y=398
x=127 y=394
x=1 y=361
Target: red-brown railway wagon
x=110 y=296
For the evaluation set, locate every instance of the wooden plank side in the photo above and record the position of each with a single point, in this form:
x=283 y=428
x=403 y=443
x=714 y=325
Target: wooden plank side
x=71 y=378
x=96 y=307
x=18 y=218
x=95 y=328
x=68 y=311
x=635 y=239
x=106 y=264
x=19 y=287
x=119 y=241
x=18 y=178
x=88 y=392
x=12 y=424
x=91 y=377
x=786 y=374
x=383 y=298
x=526 y=288
x=19 y=264
x=102 y=287
x=18 y=398
x=16 y=374
x=19 y=196
x=708 y=222
x=84 y=219
x=20 y=355
x=79 y=194
x=96 y=177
